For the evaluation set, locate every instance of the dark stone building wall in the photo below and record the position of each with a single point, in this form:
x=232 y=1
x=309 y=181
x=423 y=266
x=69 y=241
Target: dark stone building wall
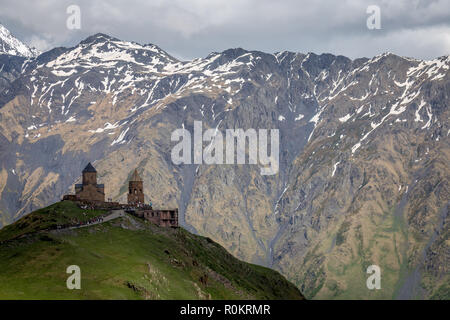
x=163 y=218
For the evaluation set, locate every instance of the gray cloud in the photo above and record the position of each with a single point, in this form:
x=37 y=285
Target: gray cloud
x=194 y=28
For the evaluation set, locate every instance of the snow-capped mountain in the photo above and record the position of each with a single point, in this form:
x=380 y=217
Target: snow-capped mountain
x=13 y=46
x=364 y=153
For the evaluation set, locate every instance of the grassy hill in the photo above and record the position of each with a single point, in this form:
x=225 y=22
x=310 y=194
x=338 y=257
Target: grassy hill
x=125 y=258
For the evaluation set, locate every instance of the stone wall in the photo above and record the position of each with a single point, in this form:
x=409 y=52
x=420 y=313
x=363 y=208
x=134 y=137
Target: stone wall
x=163 y=218
x=91 y=192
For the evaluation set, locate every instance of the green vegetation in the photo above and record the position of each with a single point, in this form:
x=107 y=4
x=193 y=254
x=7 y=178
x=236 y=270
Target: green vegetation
x=340 y=237
x=442 y=293
x=125 y=258
x=64 y=212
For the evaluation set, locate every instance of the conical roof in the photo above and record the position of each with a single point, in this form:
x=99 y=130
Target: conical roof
x=135 y=176
x=89 y=168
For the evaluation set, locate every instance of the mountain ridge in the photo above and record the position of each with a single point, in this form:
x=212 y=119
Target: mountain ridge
x=13 y=46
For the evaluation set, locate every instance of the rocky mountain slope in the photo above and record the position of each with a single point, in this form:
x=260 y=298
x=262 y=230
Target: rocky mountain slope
x=13 y=53
x=124 y=258
x=13 y=46
x=364 y=154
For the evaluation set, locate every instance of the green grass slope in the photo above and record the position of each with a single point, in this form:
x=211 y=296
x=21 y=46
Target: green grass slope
x=125 y=258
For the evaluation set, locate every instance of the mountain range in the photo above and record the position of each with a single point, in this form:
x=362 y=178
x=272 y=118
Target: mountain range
x=364 y=153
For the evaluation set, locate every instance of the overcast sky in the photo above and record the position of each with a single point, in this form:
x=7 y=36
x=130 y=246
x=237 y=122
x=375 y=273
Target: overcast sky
x=194 y=28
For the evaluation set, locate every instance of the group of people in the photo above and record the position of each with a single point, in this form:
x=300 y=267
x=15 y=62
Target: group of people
x=78 y=224
x=94 y=220
x=87 y=206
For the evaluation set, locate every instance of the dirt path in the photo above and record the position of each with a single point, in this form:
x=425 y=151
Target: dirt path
x=114 y=215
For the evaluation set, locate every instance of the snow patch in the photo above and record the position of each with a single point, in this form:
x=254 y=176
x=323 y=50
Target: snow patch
x=345 y=118
x=71 y=119
x=334 y=168
x=121 y=137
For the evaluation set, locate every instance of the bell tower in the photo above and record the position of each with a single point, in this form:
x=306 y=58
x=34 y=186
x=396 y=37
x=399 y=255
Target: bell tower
x=135 y=189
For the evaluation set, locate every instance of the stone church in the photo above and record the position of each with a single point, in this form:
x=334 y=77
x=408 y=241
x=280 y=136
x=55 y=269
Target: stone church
x=89 y=189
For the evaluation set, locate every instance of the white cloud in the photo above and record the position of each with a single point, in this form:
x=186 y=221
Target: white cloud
x=195 y=28
x=43 y=43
